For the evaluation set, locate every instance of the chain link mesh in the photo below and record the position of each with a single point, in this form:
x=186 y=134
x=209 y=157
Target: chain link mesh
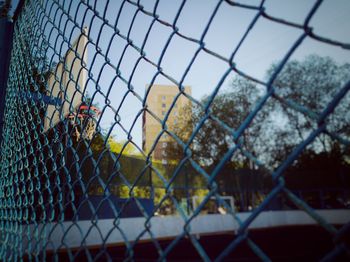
x=59 y=173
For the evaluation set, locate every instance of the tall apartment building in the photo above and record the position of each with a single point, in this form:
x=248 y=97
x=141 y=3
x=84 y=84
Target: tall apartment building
x=159 y=100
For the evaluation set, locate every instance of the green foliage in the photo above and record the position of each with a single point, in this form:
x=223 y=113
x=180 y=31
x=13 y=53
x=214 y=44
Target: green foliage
x=123 y=147
x=277 y=128
x=319 y=170
x=213 y=140
x=312 y=83
x=266 y=138
x=123 y=191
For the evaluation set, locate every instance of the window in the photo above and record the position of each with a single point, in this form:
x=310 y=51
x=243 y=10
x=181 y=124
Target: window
x=175 y=121
x=164 y=145
x=163 y=113
x=164 y=153
x=163 y=105
x=175 y=113
x=163 y=97
x=164 y=161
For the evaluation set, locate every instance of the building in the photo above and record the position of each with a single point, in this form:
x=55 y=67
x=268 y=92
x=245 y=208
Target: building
x=159 y=101
x=67 y=82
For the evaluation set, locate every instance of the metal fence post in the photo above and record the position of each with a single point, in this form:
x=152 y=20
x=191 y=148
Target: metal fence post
x=151 y=184
x=6 y=36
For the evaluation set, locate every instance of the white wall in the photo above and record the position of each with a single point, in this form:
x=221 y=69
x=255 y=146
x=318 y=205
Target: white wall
x=171 y=226
x=67 y=82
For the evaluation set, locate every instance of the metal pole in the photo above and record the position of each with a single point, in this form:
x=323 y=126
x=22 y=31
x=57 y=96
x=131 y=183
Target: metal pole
x=188 y=197
x=151 y=182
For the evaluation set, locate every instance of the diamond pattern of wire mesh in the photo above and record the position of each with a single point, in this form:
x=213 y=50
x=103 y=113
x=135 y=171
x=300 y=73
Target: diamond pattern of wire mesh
x=58 y=171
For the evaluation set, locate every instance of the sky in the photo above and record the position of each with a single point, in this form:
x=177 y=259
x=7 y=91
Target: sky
x=265 y=44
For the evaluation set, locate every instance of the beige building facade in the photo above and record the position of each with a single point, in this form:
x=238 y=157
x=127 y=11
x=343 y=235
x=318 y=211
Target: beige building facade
x=159 y=101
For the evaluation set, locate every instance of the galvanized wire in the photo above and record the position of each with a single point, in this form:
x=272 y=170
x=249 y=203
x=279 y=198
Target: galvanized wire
x=43 y=181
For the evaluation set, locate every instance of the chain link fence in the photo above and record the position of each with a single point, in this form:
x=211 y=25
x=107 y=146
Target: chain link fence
x=75 y=181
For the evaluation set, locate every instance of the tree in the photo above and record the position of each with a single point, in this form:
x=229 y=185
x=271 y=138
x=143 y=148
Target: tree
x=117 y=147
x=311 y=83
x=277 y=128
x=213 y=140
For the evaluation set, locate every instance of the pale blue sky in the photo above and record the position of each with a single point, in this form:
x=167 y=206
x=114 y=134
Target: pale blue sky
x=268 y=42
